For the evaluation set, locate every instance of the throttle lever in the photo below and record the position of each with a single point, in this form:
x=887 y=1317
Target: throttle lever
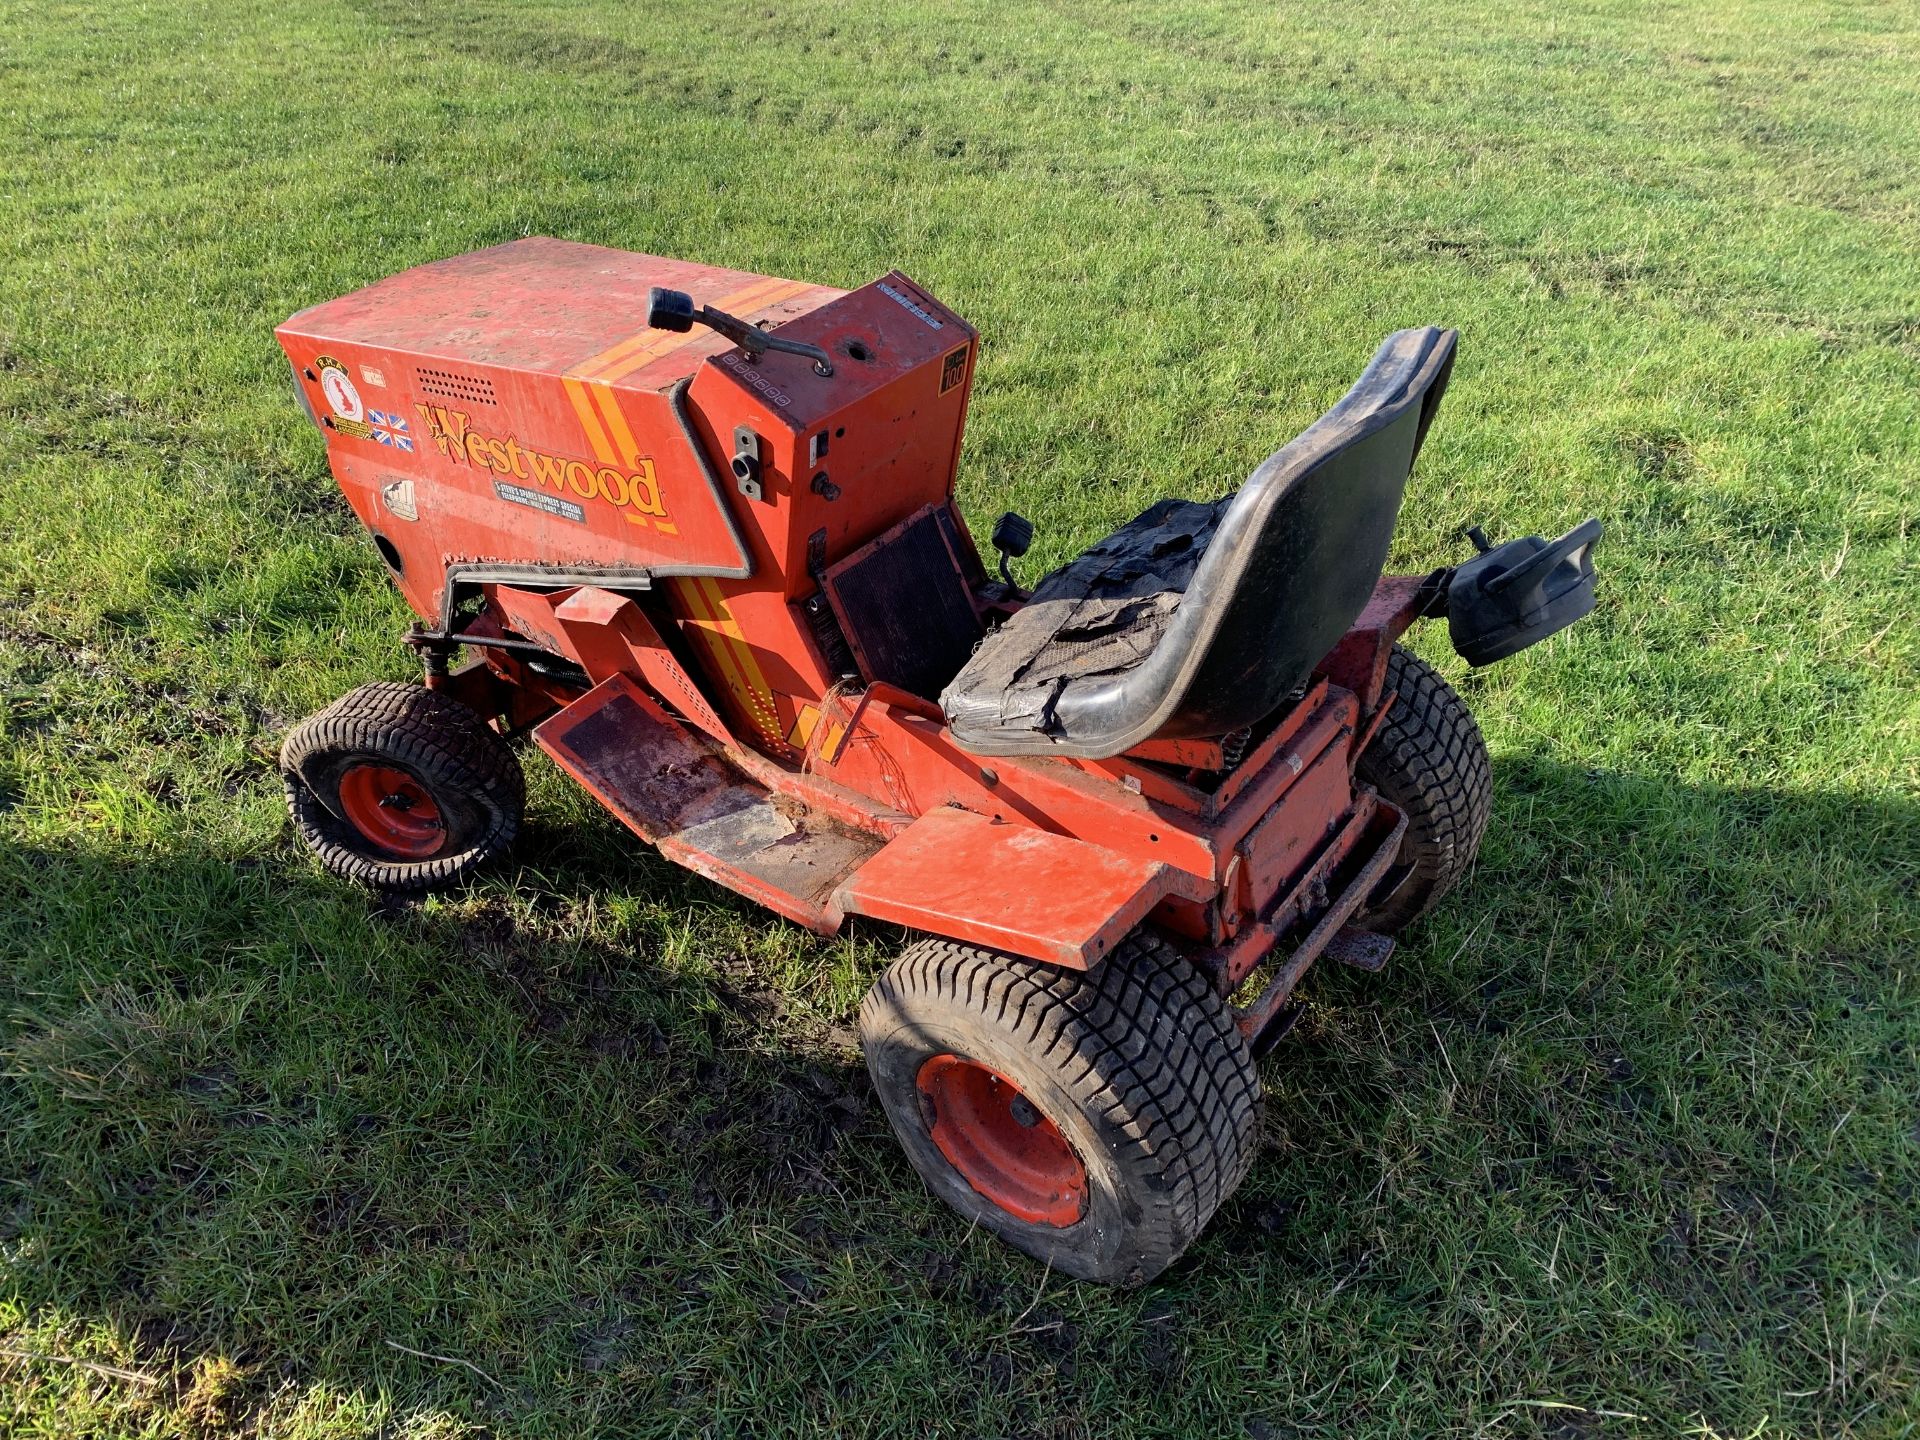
x=675 y=310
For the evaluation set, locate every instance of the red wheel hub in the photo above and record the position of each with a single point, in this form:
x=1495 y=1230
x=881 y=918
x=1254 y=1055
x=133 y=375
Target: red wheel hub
x=392 y=809
x=1000 y=1142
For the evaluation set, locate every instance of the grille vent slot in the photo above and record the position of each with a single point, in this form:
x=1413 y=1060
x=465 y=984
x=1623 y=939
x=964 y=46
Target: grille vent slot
x=452 y=385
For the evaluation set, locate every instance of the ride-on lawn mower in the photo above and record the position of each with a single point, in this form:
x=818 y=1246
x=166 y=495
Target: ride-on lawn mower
x=696 y=529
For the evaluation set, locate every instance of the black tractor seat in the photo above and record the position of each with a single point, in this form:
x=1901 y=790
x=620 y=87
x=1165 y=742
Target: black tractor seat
x=1197 y=620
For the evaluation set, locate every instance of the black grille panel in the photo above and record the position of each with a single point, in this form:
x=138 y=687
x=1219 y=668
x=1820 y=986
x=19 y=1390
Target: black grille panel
x=903 y=604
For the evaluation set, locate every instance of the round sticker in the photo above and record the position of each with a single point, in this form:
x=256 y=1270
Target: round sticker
x=342 y=398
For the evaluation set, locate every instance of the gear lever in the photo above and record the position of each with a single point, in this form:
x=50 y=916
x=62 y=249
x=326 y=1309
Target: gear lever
x=675 y=310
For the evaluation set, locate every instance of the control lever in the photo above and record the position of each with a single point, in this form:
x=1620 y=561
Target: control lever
x=1012 y=537
x=674 y=310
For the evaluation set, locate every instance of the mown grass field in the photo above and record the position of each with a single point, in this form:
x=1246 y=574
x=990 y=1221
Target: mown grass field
x=1626 y=1142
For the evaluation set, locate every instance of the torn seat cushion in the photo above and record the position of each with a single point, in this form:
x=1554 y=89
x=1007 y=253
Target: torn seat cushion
x=1098 y=616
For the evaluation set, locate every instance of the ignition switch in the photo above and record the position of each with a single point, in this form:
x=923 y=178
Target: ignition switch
x=746 y=463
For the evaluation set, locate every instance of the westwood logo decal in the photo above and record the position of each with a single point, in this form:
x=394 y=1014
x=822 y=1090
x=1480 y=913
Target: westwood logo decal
x=635 y=493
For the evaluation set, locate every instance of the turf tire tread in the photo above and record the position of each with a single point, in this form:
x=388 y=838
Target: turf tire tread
x=1141 y=1041
x=1430 y=760
x=442 y=741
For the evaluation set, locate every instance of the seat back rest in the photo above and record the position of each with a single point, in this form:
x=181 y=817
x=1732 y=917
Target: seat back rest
x=1287 y=572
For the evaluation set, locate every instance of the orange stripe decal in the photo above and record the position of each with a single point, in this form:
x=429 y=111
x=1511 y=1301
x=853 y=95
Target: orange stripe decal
x=714 y=643
x=590 y=389
x=689 y=591
x=743 y=301
x=630 y=355
x=624 y=444
x=640 y=350
x=717 y=602
x=583 y=407
x=762 y=709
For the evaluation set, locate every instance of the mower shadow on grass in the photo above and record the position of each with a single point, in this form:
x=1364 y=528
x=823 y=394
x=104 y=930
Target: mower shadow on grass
x=254 y=1113
x=237 y=1080
x=1638 y=1024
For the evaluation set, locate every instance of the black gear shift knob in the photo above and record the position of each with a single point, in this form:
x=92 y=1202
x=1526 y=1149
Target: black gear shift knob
x=669 y=309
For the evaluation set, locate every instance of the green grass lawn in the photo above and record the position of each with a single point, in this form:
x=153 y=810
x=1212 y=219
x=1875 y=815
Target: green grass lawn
x=1625 y=1142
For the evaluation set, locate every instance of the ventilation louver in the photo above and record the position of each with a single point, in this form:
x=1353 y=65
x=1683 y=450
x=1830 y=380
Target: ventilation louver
x=452 y=385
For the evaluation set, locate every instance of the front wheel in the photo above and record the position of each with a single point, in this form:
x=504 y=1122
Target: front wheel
x=1095 y=1120
x=400 y=788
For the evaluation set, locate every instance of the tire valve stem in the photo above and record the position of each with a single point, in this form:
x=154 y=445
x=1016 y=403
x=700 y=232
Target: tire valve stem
x=1024 y=1114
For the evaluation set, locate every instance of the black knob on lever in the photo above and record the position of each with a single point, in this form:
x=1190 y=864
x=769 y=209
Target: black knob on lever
x=670 y=310
x=674 y=310
x=1012 y=537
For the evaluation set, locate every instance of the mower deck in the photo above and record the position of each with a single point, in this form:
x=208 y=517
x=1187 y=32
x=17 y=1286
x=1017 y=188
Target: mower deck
x=1053 y=896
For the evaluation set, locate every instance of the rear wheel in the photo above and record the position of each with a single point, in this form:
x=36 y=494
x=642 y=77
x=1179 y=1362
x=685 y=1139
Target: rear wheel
x=400 y=788
x=1094 y=1120
x=1430 y=761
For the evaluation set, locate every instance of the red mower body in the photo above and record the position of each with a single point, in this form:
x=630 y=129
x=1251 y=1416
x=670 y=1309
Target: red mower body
x=719 y=575
x=538 y=467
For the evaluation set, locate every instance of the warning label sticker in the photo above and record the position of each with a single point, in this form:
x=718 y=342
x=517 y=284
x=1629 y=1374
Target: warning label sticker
x=534 y=500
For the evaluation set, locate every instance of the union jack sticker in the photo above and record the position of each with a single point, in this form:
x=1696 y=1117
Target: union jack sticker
x=390 y=429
